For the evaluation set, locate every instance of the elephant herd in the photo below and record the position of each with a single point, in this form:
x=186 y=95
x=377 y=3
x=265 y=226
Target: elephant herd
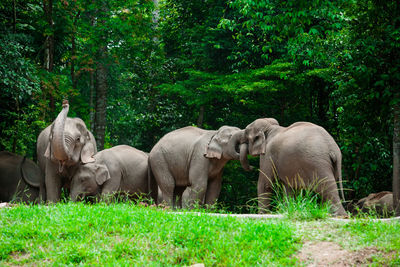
x=183 y=168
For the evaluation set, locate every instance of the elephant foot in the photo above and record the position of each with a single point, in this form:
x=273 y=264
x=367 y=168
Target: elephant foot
x=340 y=213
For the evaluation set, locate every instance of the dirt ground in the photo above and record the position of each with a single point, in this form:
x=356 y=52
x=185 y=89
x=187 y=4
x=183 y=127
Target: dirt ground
x=330 y=254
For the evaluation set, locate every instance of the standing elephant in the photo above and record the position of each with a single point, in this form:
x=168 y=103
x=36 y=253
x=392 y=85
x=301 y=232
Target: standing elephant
x=117 y=169
x=302 y=155
x=60 y=148
x=20 y=179
x=191 y=160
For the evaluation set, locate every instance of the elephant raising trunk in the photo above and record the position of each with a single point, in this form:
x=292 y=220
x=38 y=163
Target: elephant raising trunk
x=61 y=146
x=58 y=144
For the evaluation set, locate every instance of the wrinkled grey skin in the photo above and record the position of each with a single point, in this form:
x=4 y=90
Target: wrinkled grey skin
x=191 y=160
x=302 y=150
x=117 y=169
x=60 y=148
x=20 y=179
x=381 y=202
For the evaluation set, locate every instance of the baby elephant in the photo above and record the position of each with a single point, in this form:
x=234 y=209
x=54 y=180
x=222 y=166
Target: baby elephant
x=117 y=169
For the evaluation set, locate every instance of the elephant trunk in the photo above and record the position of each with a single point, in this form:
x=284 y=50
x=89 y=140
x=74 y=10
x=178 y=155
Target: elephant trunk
x=58 y=143
x=233 y=144
x=243 y=157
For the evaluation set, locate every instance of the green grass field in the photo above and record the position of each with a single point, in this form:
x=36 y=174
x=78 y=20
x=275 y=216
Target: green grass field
x=125 y=234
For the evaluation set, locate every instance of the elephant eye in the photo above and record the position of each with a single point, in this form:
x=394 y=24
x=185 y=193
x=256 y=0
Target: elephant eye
x=78 y=139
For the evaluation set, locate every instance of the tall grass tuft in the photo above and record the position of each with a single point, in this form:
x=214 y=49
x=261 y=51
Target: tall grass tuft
x=304 y=204
x=297 y=199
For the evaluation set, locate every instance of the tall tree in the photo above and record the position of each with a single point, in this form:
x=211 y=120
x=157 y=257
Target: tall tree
x=101 y=75
x=396 y=154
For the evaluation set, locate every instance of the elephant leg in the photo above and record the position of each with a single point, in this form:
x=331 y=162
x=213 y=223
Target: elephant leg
x=196 y=191
x=192 y=195
x=213 y=190
x=328 y=190
x=53 y=183
x=265 y=186
x=264 y=190
x=165 y=181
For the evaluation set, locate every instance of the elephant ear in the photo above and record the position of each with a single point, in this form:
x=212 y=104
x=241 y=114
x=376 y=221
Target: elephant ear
x=31 y=173
x=88 y=150
x=102 y=174
x=259 y=144
x=214 y=147
x=261 y=127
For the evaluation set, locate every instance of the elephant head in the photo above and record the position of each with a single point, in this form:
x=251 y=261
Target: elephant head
x=254 y=137
x=88 y=180
x=224 y=143
x=70 y=141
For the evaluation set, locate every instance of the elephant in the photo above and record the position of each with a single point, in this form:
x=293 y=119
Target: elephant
x=20 y=179
x=302 y=155
x=381 y=202
x=120 y=169
x=61 y=147
x=189 y=162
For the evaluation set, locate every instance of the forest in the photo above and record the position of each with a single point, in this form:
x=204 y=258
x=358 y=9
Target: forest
x=135 y=70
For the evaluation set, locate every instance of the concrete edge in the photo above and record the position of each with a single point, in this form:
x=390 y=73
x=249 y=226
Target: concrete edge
x=279 y=216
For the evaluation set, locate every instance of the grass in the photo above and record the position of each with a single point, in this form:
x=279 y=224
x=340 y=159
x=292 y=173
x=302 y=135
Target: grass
x=305 y=205
x=126 y=234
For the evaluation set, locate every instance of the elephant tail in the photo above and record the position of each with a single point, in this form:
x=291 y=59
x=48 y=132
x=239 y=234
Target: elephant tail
x=337 y=170
x=152 y=184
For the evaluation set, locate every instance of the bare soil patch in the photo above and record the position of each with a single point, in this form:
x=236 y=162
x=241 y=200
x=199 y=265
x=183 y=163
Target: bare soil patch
x=331 y=254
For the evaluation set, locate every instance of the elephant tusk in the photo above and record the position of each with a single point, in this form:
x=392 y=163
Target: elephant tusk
x=61 y=166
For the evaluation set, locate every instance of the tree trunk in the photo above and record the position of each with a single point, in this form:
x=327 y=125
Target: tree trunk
x=73 y=51
x=101 y=99
x=73 y=78
x=101 y=81
x=396 y=155
x=14 y=16
x=200 y=119
x=91 y=101
x=48 y=61
x=396 y=118
x=156 y=17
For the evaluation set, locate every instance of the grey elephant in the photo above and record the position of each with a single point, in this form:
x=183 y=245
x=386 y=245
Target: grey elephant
x=61 y=147
x=302 y=155
x=20 y=179
x=191 y=160
x=118 y=169
x=381 y=202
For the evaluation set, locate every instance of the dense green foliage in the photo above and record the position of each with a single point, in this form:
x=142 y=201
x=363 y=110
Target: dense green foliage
x=128 y=234
x=207 y=63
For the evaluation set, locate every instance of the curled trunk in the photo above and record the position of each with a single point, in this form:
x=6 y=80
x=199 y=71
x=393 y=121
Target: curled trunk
x=243 y=157
x=233 y=144
x=58 y=144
